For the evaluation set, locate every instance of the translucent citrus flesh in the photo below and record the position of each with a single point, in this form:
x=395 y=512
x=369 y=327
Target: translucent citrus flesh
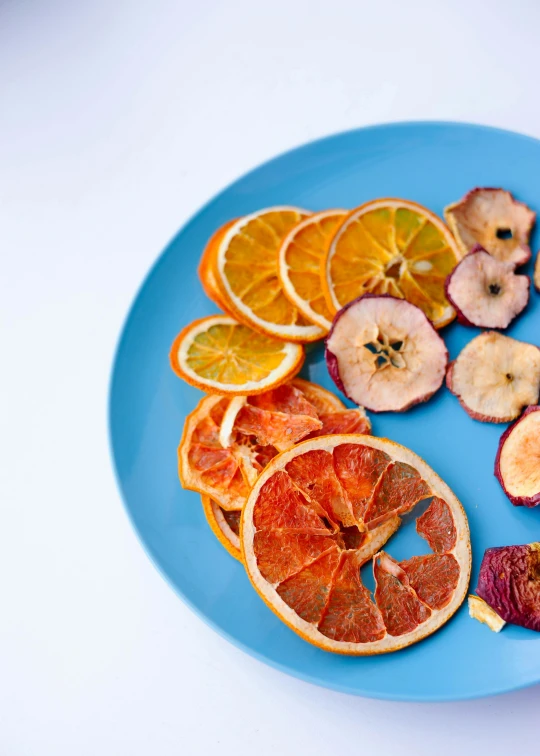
x=302 y=543
x=303 y=259
x=249 y=263
x=397 y=250
x=296 y=410
x=234 y=354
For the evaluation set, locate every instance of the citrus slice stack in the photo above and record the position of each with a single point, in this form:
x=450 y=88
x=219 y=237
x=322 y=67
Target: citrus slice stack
x=244 y=263
x=222 y=453
x=219 y=355
x=301 y=264
x=303 y=555
x=392 y=246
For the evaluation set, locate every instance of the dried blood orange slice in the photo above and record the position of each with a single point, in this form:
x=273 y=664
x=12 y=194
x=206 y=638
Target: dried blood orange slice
x=320 y=511
x=225 y=526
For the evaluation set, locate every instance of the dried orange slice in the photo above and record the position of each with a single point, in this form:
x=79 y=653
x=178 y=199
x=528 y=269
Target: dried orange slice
x=303 y=555
x=245 y=265
x=392 y=246
x=300 y=264
x=219 y=355
x=225 y=526
x=205 y=270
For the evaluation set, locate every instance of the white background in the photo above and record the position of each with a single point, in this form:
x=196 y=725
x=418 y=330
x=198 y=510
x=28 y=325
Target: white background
x=117 y=120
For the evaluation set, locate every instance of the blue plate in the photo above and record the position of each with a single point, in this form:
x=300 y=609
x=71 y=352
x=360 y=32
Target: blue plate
x=431 y=163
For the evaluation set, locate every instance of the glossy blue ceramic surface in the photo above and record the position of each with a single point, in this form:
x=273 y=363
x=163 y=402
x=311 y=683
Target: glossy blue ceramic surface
x=431 y=163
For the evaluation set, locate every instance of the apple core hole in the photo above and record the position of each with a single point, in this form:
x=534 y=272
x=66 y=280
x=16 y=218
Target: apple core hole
x=503 y=233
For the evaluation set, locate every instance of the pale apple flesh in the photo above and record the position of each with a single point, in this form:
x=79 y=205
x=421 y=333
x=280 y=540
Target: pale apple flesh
x=495 y=377
x=496 y=221
x=384 y=354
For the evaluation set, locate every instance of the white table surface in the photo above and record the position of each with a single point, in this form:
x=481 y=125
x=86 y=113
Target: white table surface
x=117 y=120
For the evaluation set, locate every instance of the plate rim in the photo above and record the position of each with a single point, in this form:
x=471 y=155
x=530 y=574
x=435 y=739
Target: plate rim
x=261 y=657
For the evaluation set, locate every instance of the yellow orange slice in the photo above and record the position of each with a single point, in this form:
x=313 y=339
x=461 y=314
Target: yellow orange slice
x=205 y=269
x=245 y=265
x=225 y=526
x=392 y=246
x=320 y=511
x=301 y=264
x=219 y=355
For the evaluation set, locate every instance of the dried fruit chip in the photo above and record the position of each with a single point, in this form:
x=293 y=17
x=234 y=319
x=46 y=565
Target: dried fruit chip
x=509 y=582
x=495 y=377
x=479 y=610
x=486 y=292
x=517 y=465
x=303 y=556
x=384 y=354
x=496 y=221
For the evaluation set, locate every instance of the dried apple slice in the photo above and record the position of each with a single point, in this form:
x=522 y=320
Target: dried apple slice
x=496 y=221
x=517 y=465
x=509 y=582
x=495 y=377
x=485 y=292
x=384 y=353
x=479 y=610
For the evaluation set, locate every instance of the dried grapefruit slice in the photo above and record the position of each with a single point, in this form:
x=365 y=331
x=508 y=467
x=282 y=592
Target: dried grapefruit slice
x=219 y=355
x=203 y=464
x=304 y=559
x=392 y=246
x=228 y=441
x=245 y=265
x=225 y=526
x=301 y=259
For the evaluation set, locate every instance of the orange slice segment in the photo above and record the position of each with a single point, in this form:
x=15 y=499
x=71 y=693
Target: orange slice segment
x=245 y=265
x=392 y=246
x=303 y=555
x=225 y=526
x=301 y=269
x=219 y=355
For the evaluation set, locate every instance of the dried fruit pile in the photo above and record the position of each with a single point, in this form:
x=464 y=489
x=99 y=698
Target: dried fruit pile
x=284 y=490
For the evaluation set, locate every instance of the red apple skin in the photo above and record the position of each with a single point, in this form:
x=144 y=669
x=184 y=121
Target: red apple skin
x=517 y=501
x=332 y=361
x=508 y=580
